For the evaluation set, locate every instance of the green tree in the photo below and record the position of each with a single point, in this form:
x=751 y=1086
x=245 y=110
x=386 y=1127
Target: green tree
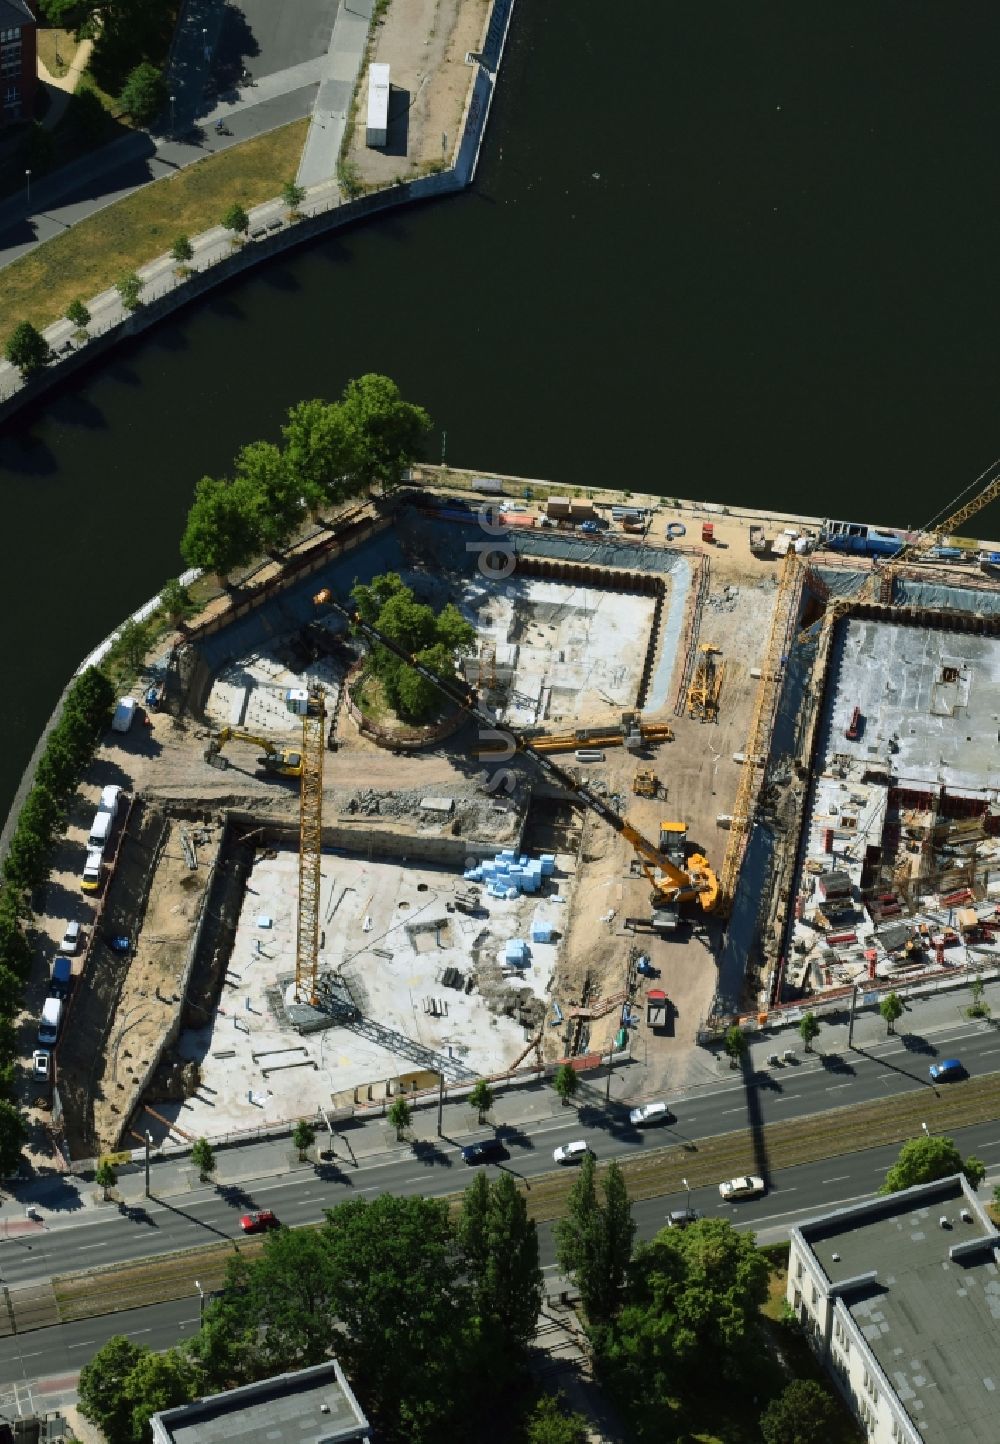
x=218 y=535
x=176 y=600
x=978 y=1008
x=390 y=431
x=105 y=1177
x=321 y=446
x=26 y=863
x=77 y=313
x=27 y=349
x=236 y=220
x=101 y=1389
x=397 y=1277
x=290 y=1298
x=203 y=1158
x=303 y=1138
x=156 y=1382
x=689 y=1320
x=803 y=1413
x=565 y=1081
x=735 y=1043
x=481 y=1098
x=273 y=494
x=551 y=1423
x=433 y=638
x=181 y=250
x=499 y=1245
x=891 y=1008
x=924 y=1159
x=91 y=699
x=63 y=14
x=11 y=991
x=809 y=1029
x=144 y=93
x=132 y=641
x=594 y=1238
x=292 y=195
x=129 y=288
x=13 y=1136
x=400 y=1116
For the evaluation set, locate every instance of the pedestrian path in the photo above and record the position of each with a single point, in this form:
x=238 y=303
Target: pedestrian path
x=340 y=72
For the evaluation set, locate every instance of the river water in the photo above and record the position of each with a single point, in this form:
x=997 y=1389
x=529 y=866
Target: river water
x=739 y=252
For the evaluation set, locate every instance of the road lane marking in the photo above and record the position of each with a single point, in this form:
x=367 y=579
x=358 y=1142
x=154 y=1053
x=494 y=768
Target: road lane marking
x=834 y=1086
x=839 y=1179
x=741 y=1109
x=88 y=1344
x=85 y=1246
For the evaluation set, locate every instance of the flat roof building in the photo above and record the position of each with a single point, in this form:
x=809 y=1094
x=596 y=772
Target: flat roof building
x=900 y=1298
x=310 y=1406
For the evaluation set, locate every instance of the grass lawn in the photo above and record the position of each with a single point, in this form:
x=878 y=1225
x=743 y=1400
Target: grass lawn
x=52 y=43
x=92 y=255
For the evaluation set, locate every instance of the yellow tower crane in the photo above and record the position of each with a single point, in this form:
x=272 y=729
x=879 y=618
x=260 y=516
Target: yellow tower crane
x=310 y=706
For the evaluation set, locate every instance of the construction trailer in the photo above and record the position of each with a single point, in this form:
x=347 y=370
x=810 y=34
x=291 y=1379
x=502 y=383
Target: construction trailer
x=377 y=125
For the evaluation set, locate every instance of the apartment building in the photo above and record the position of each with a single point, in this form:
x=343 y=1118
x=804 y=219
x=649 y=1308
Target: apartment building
x=900 y=1299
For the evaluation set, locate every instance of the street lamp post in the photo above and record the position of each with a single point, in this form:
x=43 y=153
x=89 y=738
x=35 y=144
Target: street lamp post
x=201 y=1302
x=173 y=115
x=688 y=1187
x=926 y=1129
x=149 y=1139
x=27 y=181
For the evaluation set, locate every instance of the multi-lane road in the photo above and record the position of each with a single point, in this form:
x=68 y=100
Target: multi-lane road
x=105 y=1236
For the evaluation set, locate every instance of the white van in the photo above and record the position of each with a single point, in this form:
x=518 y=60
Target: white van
x=100 y=830
x=124 y=715
x=91 y=879
x=50 y=1022
x=110 y=796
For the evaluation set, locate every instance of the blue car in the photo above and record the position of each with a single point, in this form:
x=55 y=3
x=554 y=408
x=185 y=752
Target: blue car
x=589 y=526
x=947 y=1070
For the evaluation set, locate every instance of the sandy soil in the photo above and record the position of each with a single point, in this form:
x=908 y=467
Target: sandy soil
x=425 y=42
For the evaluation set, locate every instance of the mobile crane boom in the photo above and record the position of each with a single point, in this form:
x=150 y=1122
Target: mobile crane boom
x=671 y=884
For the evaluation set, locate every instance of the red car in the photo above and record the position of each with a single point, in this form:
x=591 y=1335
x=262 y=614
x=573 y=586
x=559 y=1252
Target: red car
x=259 y=1221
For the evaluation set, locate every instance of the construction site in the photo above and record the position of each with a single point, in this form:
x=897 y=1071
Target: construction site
x=689 y=772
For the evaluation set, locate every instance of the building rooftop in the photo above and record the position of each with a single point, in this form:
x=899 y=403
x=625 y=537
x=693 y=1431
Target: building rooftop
x=926 y=1297
x=14 y=14
x=310 y=1406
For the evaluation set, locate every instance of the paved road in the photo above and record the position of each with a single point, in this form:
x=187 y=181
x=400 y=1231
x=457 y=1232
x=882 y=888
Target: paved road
x=795 y=1194
x=83 y=1236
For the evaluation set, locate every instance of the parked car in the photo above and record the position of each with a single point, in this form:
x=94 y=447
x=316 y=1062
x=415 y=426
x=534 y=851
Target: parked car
x=682 y=1217
x=746 y=1187
x=41 y=1065
x=947 y=1070
x=572 y=1152
x=488 y=1150
x=649 y=1115
x=50 y=1022
x=589 y=527
x=70 y=939
x=259 y=1221
x=61 y=981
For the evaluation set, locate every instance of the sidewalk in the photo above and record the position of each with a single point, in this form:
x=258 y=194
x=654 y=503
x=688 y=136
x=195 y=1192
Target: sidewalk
x=353 y=1146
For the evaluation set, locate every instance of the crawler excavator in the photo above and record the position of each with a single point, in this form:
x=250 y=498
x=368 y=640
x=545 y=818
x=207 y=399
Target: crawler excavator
x=277 y=761
x=675 y=877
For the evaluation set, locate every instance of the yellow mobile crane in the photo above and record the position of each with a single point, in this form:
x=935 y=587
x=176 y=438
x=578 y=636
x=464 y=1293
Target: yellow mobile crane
x=674 y=877
x=307 y=766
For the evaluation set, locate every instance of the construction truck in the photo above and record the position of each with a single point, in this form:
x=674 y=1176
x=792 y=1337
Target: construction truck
x=276 y=761
x=675 y=878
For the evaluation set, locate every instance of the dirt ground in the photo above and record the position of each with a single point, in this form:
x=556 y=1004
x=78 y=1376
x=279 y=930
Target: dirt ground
x=699 y=778
x=425 y=42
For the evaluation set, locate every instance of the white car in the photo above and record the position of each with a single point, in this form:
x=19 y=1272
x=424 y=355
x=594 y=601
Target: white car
x=41 y=1065
x=745 y=1187
x=70 y=939
x=649 y=1115
x=572 y=1152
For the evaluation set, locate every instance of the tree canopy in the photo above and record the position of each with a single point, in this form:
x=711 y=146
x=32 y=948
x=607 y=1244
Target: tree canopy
x=803 y=1413
x=144 y=93
x=925 y=1159
x=433 y=638
x=27 y=349
x=594 y=1238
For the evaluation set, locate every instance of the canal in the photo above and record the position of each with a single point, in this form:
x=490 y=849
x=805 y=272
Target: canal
x=738 y=252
